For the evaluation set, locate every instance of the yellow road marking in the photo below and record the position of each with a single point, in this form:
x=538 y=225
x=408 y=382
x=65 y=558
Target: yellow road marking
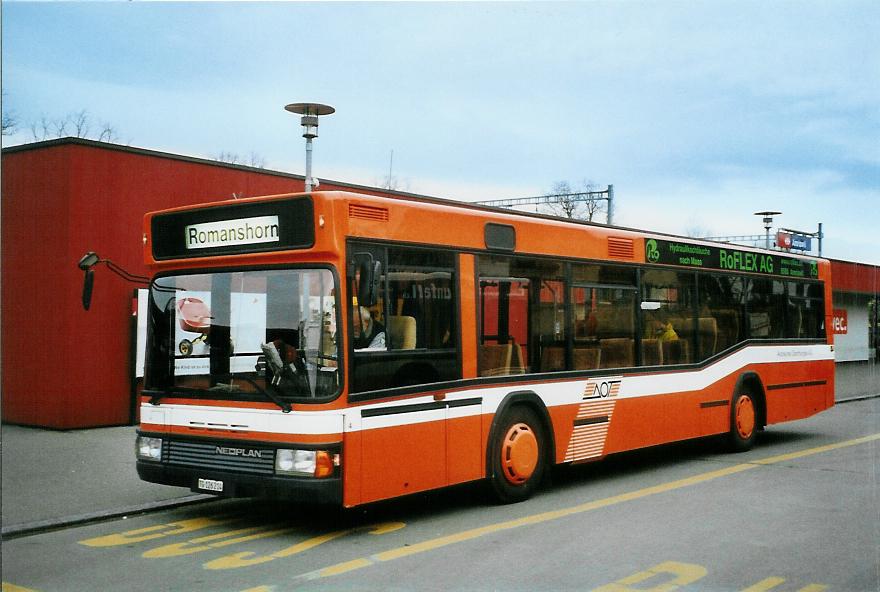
x=682 y=575
x=153 y=532
x=765 y=585
x=205 y=543
x=768 y=584
x=475 y=533
x=248 y=558
x=810 y=451
x=7 y=587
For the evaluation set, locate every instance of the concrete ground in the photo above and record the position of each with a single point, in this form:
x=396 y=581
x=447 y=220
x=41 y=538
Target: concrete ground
x=50 y=475
x=855 y=379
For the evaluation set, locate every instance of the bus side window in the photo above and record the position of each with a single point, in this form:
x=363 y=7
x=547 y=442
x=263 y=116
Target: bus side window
x=668 y=329
x=721 y=297
x=504 y=305
x=415 y=312
x=766 y=306
x=614 y=311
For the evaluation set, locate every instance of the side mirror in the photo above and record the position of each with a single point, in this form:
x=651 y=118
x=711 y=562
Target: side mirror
x=88 y=283
x=88 y=261
x=368 y=285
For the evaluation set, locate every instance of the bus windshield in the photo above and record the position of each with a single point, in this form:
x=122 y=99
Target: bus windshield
x=256 y=335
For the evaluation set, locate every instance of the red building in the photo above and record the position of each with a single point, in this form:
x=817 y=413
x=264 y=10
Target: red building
x=63 y=367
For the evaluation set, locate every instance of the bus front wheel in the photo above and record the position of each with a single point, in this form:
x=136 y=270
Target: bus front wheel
x=518 y=456
x=743 y=422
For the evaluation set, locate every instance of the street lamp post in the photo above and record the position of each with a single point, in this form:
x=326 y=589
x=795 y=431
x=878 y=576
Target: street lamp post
x=768 y=222
x=309 y=121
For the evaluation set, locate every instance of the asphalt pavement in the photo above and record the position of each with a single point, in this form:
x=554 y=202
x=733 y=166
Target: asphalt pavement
x=53 y=479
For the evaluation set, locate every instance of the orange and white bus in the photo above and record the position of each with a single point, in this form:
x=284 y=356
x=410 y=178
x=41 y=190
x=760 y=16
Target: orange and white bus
x=347 y=348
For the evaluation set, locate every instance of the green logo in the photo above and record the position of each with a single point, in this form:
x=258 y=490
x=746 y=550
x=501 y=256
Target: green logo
x=652 y=252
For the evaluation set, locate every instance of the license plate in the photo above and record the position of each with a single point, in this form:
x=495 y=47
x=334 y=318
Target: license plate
x=210 y=485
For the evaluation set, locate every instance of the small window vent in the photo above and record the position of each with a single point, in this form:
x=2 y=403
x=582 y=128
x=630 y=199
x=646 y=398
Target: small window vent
x=620 y=248
x=367 y=212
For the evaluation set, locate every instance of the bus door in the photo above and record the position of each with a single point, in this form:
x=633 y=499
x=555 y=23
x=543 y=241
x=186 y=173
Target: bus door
x=403 y=340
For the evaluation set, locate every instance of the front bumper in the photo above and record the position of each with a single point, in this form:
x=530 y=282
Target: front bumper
x=302 y=489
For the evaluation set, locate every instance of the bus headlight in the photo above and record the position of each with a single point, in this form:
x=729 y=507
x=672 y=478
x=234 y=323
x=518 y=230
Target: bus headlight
x=149 y=448
x=311 y=463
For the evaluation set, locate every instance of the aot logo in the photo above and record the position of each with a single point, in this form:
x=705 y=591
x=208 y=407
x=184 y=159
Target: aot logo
x=838 y=321
x=602 y=389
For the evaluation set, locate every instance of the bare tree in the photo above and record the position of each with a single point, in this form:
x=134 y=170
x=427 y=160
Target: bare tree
x=571 y=203
x=10 y=121
x=564 y=204
x=593 y=207
x=227 y=157
x=697 y=230
x=256 y=160
x=391 y=183
x=77 y=124
x=42 y=129
x=108 y=133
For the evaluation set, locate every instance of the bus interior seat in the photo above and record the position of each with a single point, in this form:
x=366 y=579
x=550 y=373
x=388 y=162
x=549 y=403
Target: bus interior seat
x=652 y=352
x=402 y=330
x=728 y=327
x=617 y=352
x=587 y=358
x=494 y=359
x=553 y=359
x=517 y=363
x=676 y=351
x=708 y=329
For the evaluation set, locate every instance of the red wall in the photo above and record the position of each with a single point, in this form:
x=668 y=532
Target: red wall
x=64 y=367
x=859 y=278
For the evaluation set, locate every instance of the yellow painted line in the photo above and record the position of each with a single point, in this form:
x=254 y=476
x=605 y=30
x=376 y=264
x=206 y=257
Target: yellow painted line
x=248 y=558
x=817 y=450
x=206 y=543
x=154 y=532
x=475 y=533
x=768 y=584
x=7 y=587
x=339 y=568
x=765 y=585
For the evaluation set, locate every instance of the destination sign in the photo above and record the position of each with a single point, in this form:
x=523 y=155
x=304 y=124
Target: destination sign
x=725 y=258
x=248 y=227
x=227 y=233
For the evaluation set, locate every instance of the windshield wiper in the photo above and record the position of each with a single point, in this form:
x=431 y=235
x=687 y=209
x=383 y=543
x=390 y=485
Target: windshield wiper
x=285 y=406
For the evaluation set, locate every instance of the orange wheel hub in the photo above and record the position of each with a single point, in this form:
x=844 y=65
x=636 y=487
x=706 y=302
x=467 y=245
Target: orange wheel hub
x=745 y=417
x=519 y=453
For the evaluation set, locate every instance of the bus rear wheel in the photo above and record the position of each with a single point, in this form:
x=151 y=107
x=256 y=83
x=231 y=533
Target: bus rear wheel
x=518 y=456
x=743 y=422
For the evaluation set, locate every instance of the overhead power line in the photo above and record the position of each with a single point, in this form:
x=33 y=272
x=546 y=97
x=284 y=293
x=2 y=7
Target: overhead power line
x=605 y=194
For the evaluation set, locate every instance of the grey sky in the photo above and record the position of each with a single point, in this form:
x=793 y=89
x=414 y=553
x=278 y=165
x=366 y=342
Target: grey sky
x=699 y=113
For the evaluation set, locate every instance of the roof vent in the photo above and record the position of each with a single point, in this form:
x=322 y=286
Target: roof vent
x=367 y=212
x=620 y=248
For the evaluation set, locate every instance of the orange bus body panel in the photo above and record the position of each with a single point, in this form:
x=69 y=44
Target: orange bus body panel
x=384 y=456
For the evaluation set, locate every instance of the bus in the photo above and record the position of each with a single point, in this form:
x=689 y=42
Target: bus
x=342 y=348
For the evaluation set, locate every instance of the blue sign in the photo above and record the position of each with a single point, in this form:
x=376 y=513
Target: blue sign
x=801 y=242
